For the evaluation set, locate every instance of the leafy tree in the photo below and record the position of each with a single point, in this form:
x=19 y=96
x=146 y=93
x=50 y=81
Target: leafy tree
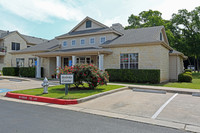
x=187 y=32
x=149 y=19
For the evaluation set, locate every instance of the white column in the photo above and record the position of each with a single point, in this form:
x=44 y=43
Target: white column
x=73 y=60
x=38 y=68
x=58 y=64
x=101 y=62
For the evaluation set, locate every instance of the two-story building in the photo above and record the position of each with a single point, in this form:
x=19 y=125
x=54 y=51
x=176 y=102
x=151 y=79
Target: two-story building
x=109 y=47
x=14 y=41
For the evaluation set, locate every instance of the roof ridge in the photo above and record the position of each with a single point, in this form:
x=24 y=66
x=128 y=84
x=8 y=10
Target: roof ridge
x=145 y=28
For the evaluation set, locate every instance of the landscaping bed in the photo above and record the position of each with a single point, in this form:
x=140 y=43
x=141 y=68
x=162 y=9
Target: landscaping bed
x=74 y=93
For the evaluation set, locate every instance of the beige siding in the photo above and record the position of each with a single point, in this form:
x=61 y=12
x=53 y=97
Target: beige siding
x=87 y=38
x=8 y=58
x=176 y=67
x=83 y=26
x=150 y=57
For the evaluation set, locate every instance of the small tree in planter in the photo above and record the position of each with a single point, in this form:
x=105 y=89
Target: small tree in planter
x=86 y=73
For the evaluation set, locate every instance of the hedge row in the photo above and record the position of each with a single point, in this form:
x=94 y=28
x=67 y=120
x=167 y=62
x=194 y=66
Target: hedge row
x=134 y=75
x=21 y=71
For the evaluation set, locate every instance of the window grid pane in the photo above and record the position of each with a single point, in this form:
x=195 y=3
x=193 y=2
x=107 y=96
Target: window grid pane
x=129 y=61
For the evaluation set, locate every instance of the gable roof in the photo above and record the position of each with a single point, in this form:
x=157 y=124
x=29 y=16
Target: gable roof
x=103 y=29
x=28 y=39
x=84 y=20
x=136 y=36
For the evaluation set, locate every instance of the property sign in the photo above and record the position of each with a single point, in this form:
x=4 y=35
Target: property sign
x=66 y=78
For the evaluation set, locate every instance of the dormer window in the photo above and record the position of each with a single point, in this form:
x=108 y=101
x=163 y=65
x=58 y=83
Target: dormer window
x=160 y=36
x=88 y=24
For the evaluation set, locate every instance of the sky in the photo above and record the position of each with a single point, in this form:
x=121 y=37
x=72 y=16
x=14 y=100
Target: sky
x=50 y=18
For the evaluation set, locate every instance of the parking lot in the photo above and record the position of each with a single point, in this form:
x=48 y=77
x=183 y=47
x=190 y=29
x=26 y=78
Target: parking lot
x=181 y=108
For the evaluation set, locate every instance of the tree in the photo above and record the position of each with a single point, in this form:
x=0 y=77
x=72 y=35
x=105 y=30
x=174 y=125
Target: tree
x=186 y=30
x=149 y=19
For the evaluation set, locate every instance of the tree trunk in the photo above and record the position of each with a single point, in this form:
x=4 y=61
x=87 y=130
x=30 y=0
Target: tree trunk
x=194 y=64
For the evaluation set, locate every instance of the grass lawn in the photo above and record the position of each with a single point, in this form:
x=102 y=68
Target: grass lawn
x=59 y=91
x=194 y=85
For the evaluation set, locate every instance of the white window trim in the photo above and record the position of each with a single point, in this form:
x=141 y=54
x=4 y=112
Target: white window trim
x=90 y=39
x=100 y=39
x=63 y=43
x=82 y=39
x=72 y=41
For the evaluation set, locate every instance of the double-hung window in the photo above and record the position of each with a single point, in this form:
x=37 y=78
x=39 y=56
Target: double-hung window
x=102 y=40
x=73 y=42
x=129 y=61
x=82 y=41
x=92 y=40
x=64 y=43
x=19 y=62
x=15 y=46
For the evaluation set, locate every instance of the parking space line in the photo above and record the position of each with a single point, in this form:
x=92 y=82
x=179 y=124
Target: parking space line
x=163 y=106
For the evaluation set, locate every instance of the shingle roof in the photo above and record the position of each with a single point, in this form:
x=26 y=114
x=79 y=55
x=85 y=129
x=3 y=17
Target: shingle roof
x=97 y=30
x=33 y=40
x=29 y=39
x=46 y=46
x=142 y=35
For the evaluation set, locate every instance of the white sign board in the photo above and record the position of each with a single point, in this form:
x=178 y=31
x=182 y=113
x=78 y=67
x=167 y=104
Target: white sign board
x=66 y=78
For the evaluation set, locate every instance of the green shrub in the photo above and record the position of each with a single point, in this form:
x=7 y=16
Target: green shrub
x=184 y=77
x=189 y=73
x=188 y=70
x=10 y=71
x=21 y=71
x=134 y=75
x=27 y=72
x=86 y=73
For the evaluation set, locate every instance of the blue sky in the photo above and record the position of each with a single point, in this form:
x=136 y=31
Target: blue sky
x=50 y=18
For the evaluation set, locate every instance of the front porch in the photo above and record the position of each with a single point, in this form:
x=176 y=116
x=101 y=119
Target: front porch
x=53 y=60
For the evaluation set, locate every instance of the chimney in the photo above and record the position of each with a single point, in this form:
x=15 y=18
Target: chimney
x=117 y=26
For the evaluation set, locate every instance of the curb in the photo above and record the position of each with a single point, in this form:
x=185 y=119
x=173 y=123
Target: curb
x=59 y=101
x=172 y=90
x=40 y=99
x=100 y=94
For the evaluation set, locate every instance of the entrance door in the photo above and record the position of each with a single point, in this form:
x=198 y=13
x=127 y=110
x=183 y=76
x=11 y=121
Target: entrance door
x=66 y=62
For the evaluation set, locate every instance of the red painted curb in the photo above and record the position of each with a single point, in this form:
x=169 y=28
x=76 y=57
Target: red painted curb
x=41 y=99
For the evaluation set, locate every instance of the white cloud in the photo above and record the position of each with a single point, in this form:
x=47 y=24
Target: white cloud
x=7 y=25
x=168 y=7
x=42 y=10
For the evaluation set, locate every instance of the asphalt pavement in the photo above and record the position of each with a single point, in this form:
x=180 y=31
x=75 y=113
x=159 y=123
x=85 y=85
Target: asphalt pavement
x=28 y=118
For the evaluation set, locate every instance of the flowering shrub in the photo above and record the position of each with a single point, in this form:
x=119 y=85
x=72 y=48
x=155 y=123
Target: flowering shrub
x=86 y=73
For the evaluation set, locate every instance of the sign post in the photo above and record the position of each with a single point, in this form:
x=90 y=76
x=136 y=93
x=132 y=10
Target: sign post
x=66 y=79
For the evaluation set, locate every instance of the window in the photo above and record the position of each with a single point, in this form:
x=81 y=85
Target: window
x=64 y=43
x=28 y=46
x=73 y=42
x=160 y=36
x=92 y=40
x=19 y=62
x=15 y=46
x=129 y=61
x=31 y=62
x=88 y=24
x=82 y=41
x=102 y=40
x=83 y=60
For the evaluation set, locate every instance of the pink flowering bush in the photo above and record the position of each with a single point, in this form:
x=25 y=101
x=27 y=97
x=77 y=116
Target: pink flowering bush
x=89 y=74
